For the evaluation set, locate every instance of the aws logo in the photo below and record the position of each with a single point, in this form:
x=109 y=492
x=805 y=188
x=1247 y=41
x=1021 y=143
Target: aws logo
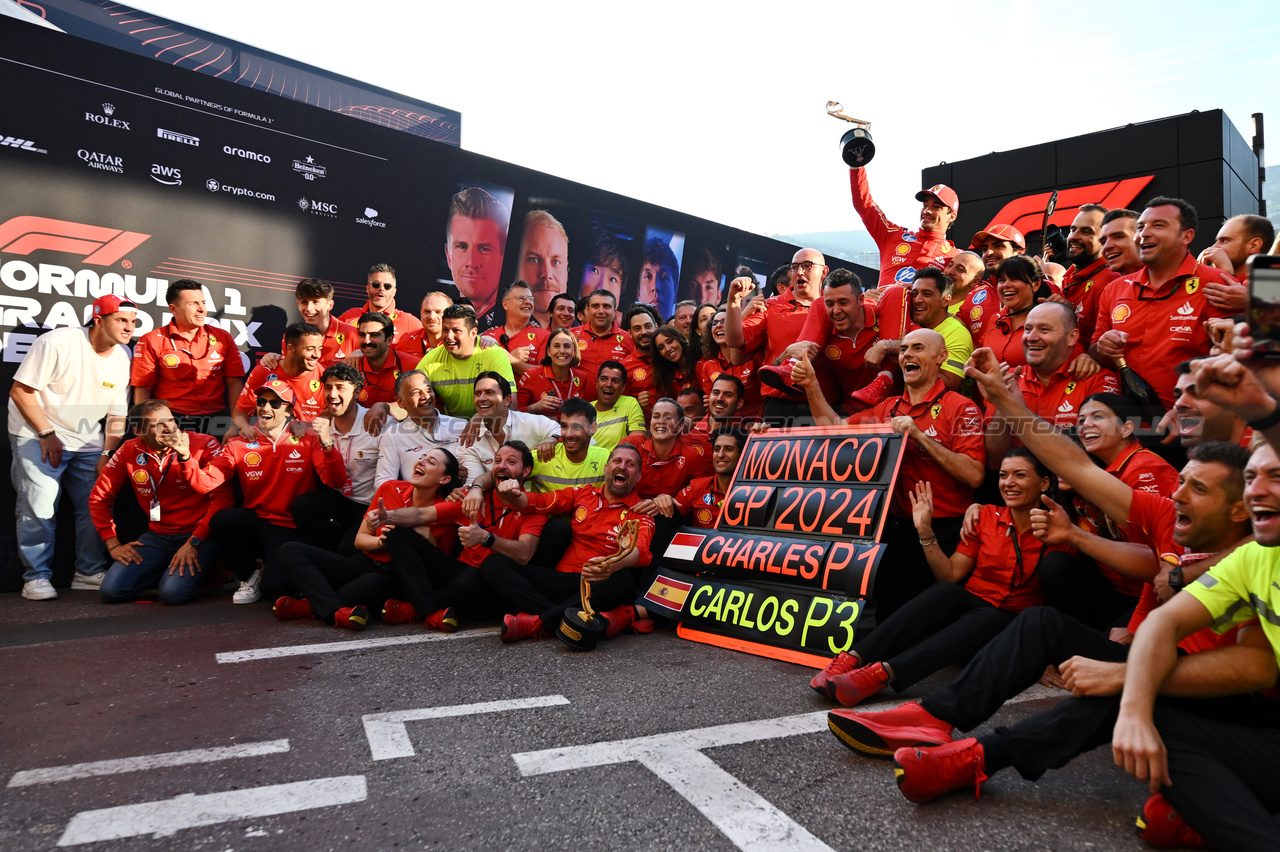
x=97 y=245
x=1027 y=213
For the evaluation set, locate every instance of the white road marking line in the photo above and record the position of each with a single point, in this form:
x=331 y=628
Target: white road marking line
x=621 y=751
x=741 y=814
x=169 y=816
x=388 y=737
x=350 y=645
x=54 y=774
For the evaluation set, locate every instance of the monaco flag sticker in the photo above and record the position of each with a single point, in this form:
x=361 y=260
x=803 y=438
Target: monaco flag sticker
x=684 y=546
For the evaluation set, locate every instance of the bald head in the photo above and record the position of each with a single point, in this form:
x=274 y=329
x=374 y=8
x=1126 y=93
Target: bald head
x=806 y=283
x=1048 y=337
x=921 y=357
x=963 y=271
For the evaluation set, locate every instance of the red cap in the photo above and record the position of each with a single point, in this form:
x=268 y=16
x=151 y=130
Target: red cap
x=109 y=304
x=280 y=389
x=943 y=193
x=1008 y=233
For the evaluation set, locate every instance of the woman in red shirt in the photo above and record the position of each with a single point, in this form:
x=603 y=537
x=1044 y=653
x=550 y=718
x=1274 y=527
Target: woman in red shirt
x=1020 y=287
x=715 y=360
x=674 y=363
x=340 y=590
x=542 y=389
x=980 y=588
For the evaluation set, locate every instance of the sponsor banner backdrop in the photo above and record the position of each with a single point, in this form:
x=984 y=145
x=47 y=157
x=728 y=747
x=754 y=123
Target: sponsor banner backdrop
x=797 y=543
x=122 y=174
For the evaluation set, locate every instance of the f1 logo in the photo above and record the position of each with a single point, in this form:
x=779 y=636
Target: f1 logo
x=99 y=245
x=1027 y=212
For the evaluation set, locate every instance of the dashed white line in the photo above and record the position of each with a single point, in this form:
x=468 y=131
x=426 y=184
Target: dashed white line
x=388 y=737
x=168 y=816
x=54 y=774
x=350 y=645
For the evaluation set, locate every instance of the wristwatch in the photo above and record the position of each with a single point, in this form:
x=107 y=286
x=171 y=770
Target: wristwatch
x=1175 y=578
x=195 y=541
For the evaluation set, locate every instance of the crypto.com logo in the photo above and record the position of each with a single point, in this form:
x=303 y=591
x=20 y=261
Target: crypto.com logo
x=100 y=246
x=1027 y=213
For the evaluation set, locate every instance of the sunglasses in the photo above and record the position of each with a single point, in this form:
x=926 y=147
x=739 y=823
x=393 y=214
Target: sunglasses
x=274 y=402
x=382 y=286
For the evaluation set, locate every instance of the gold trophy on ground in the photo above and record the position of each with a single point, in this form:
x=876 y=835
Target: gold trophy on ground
x=581 y=629
x=856 y=147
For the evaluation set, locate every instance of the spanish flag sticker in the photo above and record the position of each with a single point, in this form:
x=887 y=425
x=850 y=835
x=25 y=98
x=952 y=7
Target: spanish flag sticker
x=668 y=593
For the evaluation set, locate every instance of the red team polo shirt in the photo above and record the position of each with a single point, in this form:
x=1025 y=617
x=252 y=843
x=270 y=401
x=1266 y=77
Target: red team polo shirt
x=398 y=494
x=998 y=576
x=413 y=342
x=183 y=510
x=902 y=252
x=948 y=418
x=595 y=523
x=702 y=501
x=530 y=335
x=308 y=391
x=1059 y=401
x=689 y=459
x=1165 y=326
x=380 y=385
x=340 y=340
x=640 y=379
x=979 y=308
x=1084 y=288
x=595 y=349
x=510 y=524
x=773 y=330
x=404 y=323
x=538 y=383
x=1005 y=341
x=272 y=475
x=189 y=373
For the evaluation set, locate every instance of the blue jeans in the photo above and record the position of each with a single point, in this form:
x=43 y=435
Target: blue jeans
x=39 y=486
x=126 y=582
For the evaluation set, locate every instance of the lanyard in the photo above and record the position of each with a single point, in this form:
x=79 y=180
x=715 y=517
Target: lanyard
x=894 y=411
x=174 y=346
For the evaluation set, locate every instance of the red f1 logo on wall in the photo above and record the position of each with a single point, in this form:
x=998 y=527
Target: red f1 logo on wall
x=1027 y=212
x=99 y=246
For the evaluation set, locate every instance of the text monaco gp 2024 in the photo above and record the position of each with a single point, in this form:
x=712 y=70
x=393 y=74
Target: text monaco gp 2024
x=793 y=557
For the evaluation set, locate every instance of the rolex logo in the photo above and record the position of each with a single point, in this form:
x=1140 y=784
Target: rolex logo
x=109 y=109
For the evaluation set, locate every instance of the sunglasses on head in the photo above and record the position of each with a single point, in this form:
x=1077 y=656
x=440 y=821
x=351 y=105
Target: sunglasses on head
x=275 y=402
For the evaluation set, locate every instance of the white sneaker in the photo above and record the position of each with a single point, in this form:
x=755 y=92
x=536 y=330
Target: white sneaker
x=38 y=590
x=88 y=581
x=248 y=592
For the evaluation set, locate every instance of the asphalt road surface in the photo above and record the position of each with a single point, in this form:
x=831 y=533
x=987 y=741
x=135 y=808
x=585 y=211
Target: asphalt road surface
x=215 y=727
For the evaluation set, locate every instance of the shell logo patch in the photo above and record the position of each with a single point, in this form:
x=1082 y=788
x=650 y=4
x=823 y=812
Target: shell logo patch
x=1193 y=284
x=252 y=459
x=171 y=360
x=833 y=352
x=902 y=248
x=697 y=448
x=580 y=514
x=140 y=477
x=704 y=516
x=975 y=313
x=1120 y=313
x=935 y=411
x=639 y=373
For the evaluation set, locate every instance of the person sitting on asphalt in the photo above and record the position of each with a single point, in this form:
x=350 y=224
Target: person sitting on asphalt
x=176 y=550
x=342 y=590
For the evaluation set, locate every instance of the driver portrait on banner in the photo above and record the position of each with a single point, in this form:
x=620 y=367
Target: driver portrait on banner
x=475 y=243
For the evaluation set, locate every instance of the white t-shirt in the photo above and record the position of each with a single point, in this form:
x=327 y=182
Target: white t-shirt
x=403 y=443
x=360 y=451
x=76 y=386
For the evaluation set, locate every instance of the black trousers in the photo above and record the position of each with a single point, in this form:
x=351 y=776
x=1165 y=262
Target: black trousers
x=942 y=625
x=331 y=580
x=243 y=538
x=1075 y=585
x=1224 y=771
x=557 y=534
x=431 y=579
x=904 y=571
x=548 y=592
x=325 y=518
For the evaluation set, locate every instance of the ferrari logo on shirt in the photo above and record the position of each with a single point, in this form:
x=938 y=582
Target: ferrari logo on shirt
x=622 y=516
x=1070 y=387
x=340 y=337
x=1193 y=284
x=315 y=385
x=935 y=411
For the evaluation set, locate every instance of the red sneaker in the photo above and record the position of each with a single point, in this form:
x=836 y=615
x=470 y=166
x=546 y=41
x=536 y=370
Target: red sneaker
x=924 y=773
x=522 y=626
x=398 y=612
x=843 y=662
x=857 y=685
x=779 y=378
x=288 y=609
x=355 y=617
x=442 y=619
x=881 y=733
x=1159 y=825
x=619 y=620
x=876 y=391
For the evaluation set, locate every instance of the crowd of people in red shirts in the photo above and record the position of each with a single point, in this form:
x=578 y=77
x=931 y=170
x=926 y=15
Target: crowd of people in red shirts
x=1077 y=454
